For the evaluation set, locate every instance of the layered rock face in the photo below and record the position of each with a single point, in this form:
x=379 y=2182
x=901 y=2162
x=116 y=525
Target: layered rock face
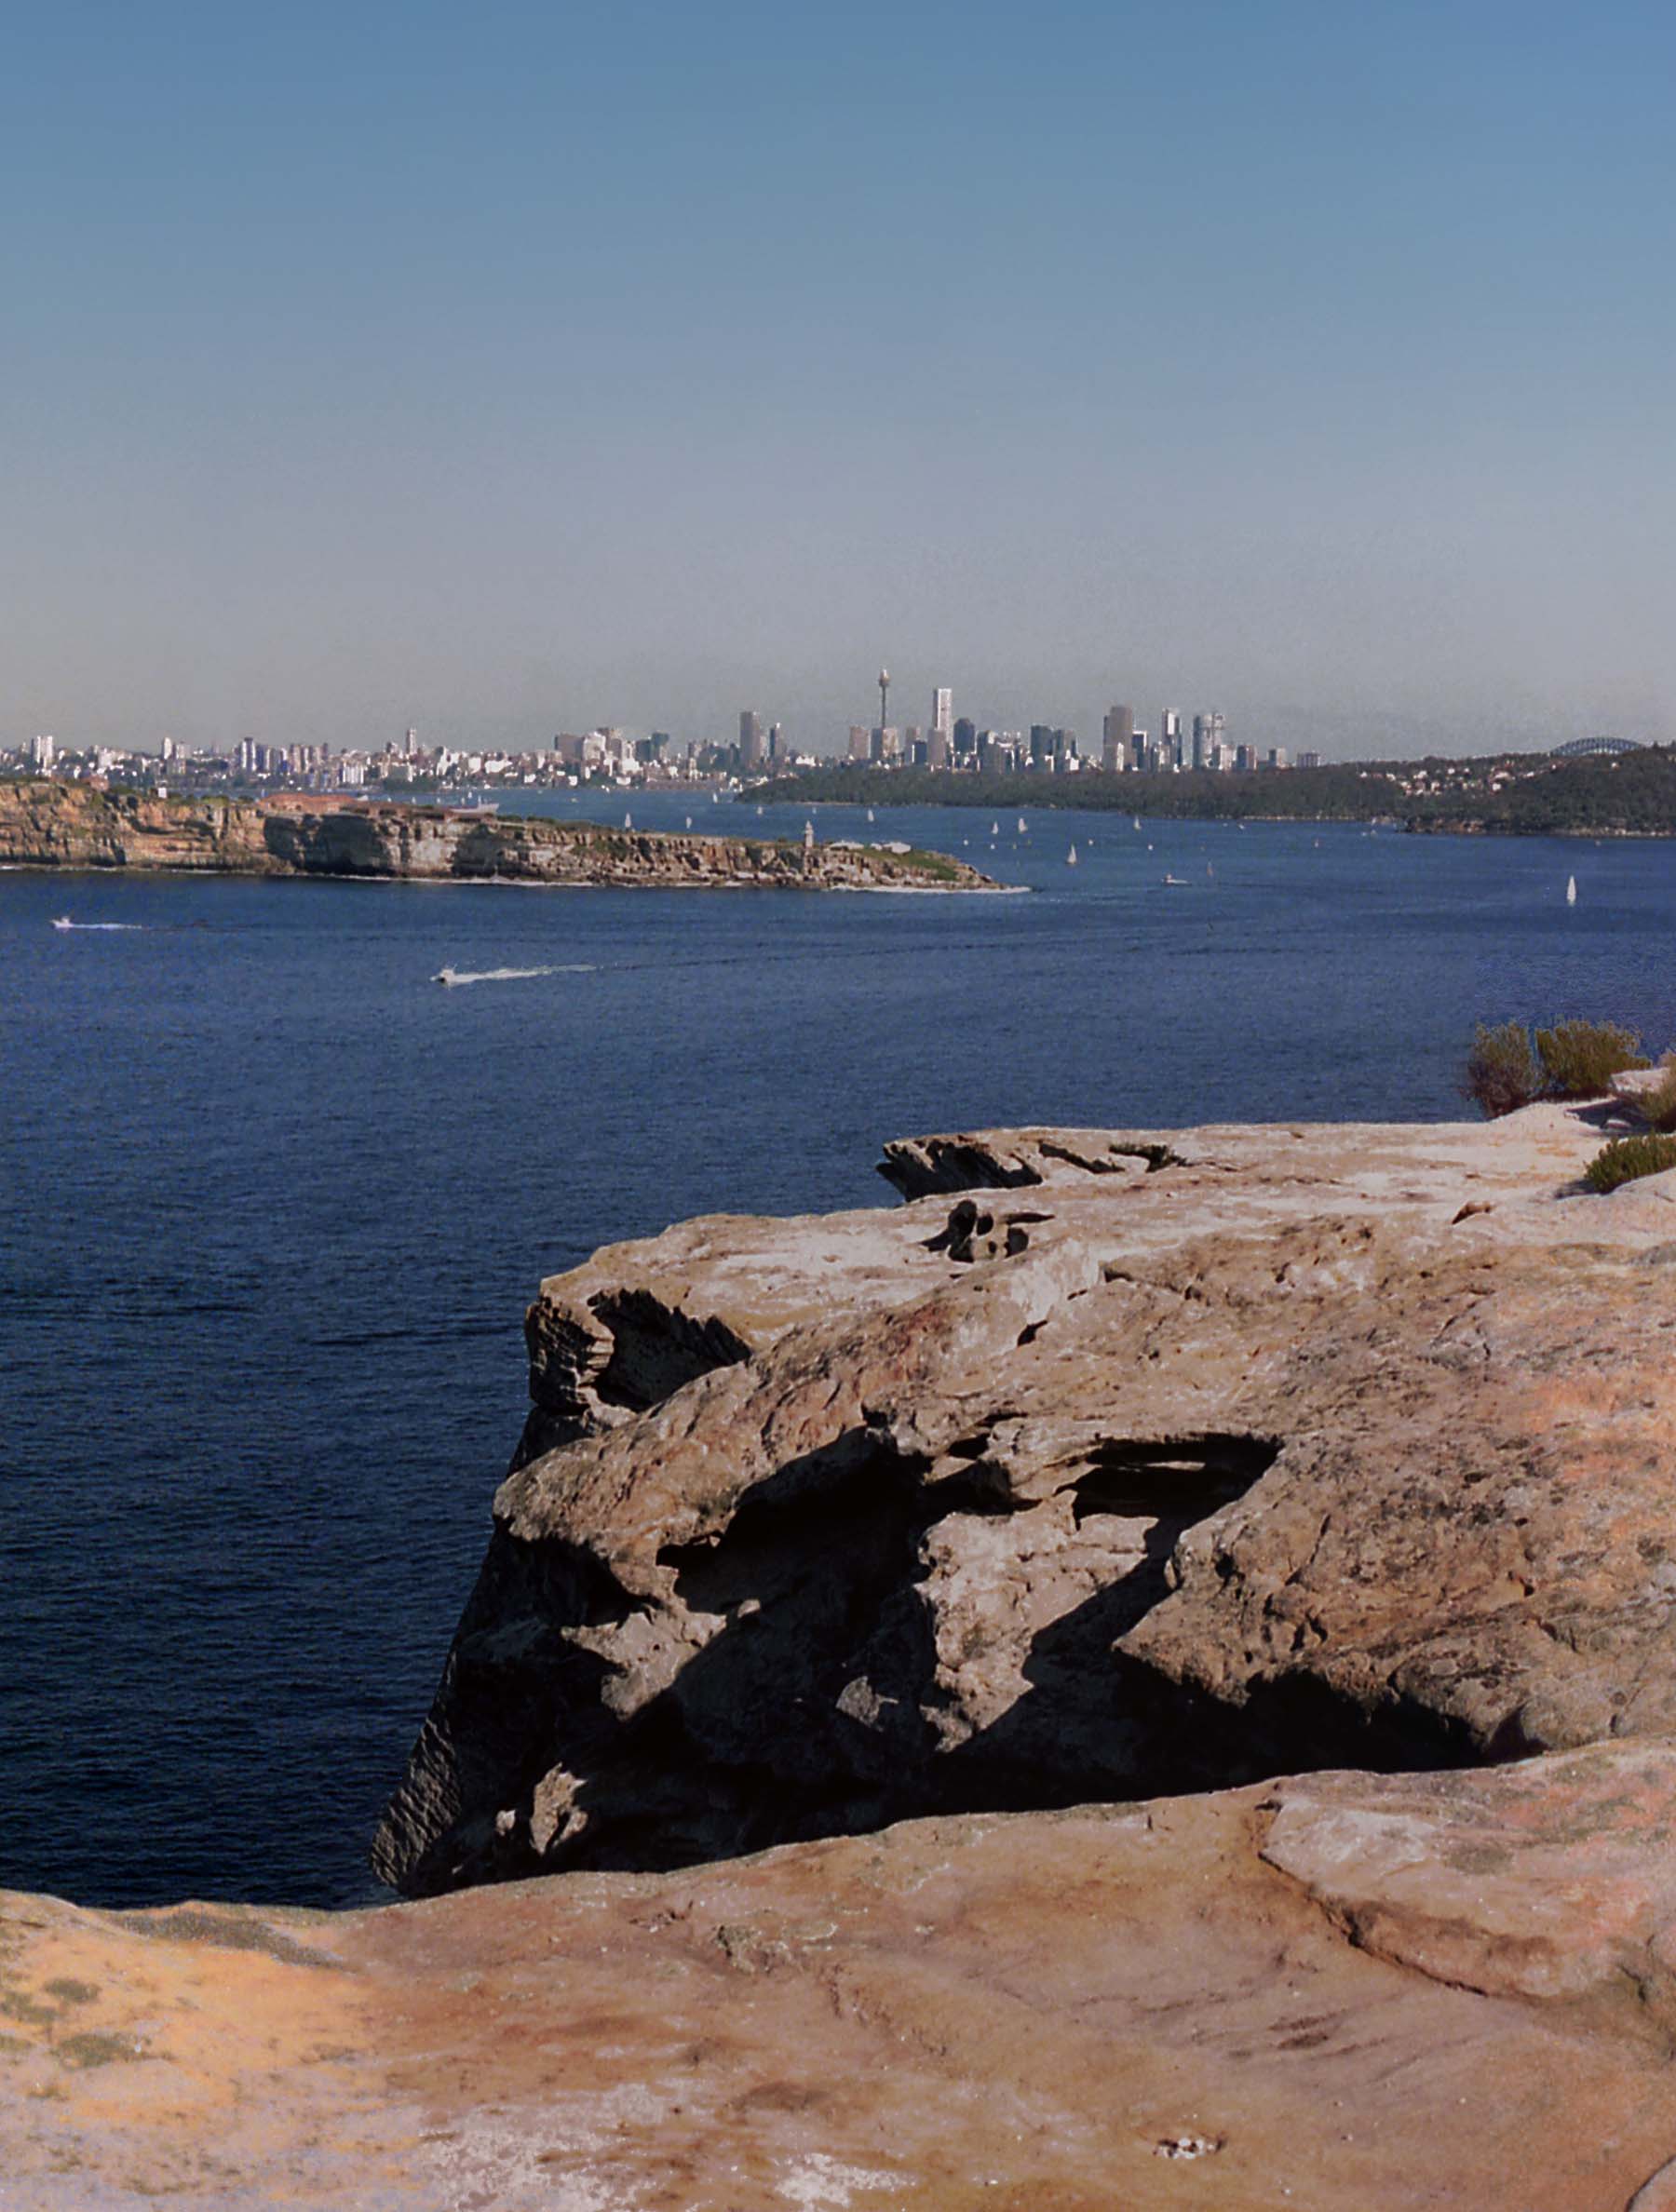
x=43 y=824
x=53 y=825
x=1111 y=1463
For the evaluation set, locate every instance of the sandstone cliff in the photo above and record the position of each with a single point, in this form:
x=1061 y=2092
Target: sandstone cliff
x=1150 y=1462
x=43 y=824
x=1109 y=1461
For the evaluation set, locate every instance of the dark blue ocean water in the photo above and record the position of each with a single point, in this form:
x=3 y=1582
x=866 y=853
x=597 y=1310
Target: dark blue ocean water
x=272 y=1205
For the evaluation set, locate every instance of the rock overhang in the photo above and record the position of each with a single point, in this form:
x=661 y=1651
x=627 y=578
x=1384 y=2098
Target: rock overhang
x=1109 y=1461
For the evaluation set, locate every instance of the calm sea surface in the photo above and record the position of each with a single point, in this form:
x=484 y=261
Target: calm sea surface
x=272 y=1204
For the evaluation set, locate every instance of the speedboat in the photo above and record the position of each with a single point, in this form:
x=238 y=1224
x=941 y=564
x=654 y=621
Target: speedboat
x=62 y=922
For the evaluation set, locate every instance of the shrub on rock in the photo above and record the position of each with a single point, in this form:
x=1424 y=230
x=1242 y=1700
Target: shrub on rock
x=1501 y=1072
x=1627 y=1157
x=1657 y=1103
x=1579 y=1059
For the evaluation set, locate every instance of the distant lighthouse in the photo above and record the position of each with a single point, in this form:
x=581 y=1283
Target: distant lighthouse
x=884 y=698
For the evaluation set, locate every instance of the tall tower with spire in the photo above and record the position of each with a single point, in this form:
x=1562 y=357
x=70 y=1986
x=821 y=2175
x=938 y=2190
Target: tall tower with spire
x=884 y=698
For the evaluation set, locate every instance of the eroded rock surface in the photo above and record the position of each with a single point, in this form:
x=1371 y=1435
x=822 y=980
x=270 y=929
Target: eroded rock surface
x=1342 y=1992
x=1116 y=1462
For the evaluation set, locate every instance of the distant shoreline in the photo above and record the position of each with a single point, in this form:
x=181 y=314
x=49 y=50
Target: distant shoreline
x=1627 y=795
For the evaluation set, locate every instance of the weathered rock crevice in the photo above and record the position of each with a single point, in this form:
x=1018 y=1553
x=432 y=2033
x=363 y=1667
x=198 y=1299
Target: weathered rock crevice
x=623 y=1352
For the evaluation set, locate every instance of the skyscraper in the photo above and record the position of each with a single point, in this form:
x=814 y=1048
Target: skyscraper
x=1118 y=731
x=942 y=714
x=750 y=740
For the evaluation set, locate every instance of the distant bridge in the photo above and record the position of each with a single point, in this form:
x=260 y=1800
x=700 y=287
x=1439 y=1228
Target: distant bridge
x=1580 y=747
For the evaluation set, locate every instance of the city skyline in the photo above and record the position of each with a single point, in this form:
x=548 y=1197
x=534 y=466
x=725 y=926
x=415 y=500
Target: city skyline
x=762 y=740
x=345 y=393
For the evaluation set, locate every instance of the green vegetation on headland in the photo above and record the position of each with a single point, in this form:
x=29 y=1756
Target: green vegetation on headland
x=1629 y=794
x=1508 y=1068
x=1574 y=1059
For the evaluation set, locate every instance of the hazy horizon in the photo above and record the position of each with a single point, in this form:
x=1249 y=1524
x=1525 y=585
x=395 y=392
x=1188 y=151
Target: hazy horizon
x=526 y=371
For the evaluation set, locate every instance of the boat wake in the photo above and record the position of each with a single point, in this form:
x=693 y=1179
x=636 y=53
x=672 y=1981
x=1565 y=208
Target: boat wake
x=510 y=974
x=63 y=922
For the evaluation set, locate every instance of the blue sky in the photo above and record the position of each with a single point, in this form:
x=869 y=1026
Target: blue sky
x=508 y=369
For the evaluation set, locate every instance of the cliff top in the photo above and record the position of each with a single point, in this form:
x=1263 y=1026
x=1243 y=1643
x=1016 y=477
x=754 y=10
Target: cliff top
x=1199 y=1472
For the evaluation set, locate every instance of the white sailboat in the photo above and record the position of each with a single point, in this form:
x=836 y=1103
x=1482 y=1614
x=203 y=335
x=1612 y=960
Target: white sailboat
x=1071 y=857
x=1571 y=890
x=995 y=829
x=627 y=821
x=869 y=814
x=1023 y=828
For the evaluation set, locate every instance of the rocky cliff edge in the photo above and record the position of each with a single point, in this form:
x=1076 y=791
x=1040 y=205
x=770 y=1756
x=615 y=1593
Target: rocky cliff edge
x=1112 y=1462
x=1109 y=1460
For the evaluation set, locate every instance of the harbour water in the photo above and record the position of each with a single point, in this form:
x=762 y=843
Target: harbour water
x=273 y=1204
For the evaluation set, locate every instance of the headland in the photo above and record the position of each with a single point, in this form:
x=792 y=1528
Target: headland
x=46 y=823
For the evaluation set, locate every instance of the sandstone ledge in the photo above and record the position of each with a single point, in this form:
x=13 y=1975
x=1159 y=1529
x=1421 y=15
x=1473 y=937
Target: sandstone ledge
x=1340 y=1992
